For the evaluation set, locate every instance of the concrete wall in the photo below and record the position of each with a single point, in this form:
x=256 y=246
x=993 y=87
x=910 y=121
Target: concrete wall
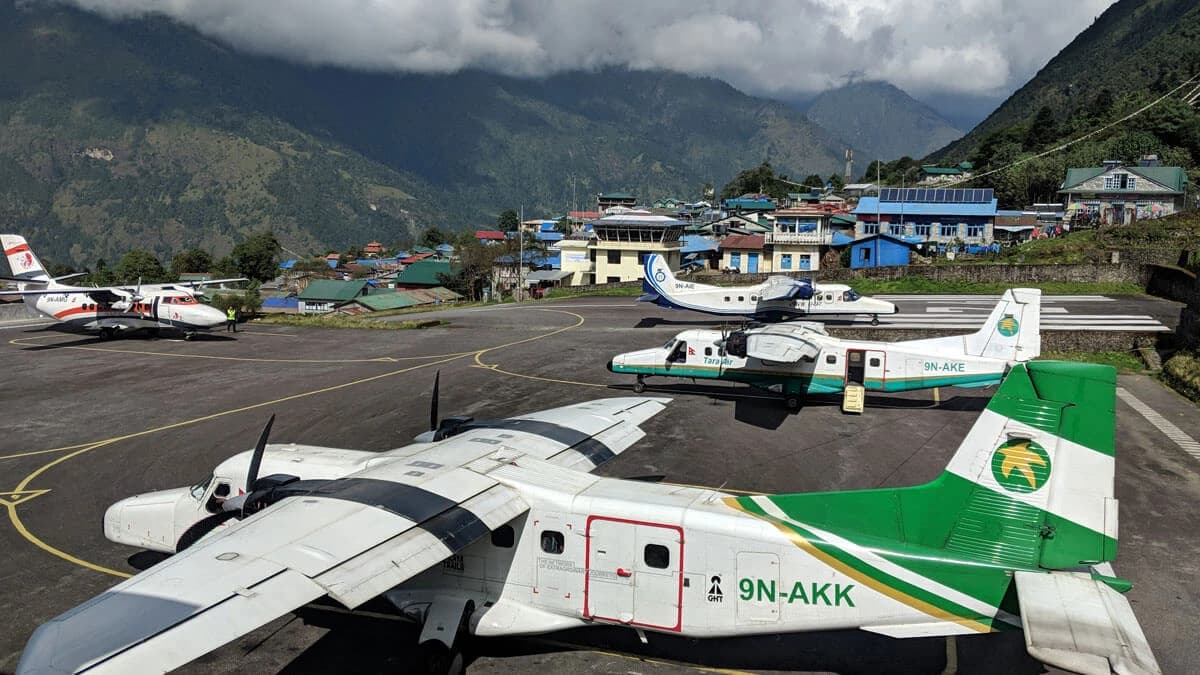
x=1183 y=286
x=1014 y=274
x=1052 y=340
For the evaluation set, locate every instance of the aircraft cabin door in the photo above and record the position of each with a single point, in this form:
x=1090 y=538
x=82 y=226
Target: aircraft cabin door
x=874 y=372
x=634 y=573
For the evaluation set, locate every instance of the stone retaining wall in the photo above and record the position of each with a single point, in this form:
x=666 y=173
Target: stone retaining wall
x=1178 y=284
x=1052 y=340
x=1132 y=273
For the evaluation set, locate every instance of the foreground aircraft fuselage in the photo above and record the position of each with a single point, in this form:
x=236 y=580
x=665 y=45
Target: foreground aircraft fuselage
x=801 y=358
x=777 y=299
x=500 y=530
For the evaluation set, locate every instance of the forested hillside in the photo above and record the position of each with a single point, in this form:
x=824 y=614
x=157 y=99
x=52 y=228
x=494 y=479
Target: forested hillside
x=143 y=133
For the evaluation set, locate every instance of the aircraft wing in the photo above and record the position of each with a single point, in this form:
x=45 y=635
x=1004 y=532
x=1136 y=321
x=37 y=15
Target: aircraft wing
x=352 y=539
x=192 y=284
x=1079 y=623
x=786 y=288
x=781 y=344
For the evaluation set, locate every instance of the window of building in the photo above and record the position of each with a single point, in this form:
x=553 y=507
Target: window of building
x=785 y=261
x=948 y=230
x=642 y=255
x=503 y=537
x=735 y=260
x=922 y=230
x=1130 y=183
x=592 y=255
x=613 y=280
x=614 y=257
x=975 y=231
x=806 y=262
x=657 y=556
x=831 y=359
x=552 y=542
x=870 y=228
x=864 y=254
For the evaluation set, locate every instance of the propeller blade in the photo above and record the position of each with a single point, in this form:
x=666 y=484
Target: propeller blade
x=197 y=531
x=256 y=458
x=433 y=403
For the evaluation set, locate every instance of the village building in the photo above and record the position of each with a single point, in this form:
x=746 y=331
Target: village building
x=798 y=238
x=744 y=253
x=323 y=295
x=1115 y=194
x=622 y=243
x=939 y=215
x=608 y=200
x=880 y=250
x=374 y=249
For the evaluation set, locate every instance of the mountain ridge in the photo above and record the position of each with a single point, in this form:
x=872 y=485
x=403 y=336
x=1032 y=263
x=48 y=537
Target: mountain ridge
x=881 y=121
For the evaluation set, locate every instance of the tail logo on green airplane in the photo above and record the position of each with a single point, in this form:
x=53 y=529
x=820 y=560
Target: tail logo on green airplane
x=1008 y=326
x=1021 y=465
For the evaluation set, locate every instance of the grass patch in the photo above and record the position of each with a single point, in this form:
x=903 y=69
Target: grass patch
x=919 y=285
x=1182 y=373
x=615 y=291
x=1124 y=362
x=342 y=321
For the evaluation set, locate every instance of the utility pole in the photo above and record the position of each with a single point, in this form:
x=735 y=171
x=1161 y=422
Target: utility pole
x=521 y=257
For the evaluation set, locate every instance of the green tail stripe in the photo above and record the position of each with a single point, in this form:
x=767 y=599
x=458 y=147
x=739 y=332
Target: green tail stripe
x=1076 y=401
x=998 y=586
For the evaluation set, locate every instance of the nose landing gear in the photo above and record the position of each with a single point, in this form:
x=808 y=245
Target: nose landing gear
x=640 y=385
x=874 y=319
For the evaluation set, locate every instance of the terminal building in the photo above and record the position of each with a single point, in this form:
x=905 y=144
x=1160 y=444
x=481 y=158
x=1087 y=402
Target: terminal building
x=617 y=247
x=938 y=215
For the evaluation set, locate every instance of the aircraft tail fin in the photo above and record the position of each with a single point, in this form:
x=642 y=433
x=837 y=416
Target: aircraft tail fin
x=1013 y=330
x=24 y=264
x=1030 y=487
x=658 y=275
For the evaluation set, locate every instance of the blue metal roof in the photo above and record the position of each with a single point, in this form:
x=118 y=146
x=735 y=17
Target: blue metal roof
x=281 y=303
x=549 y=236
x=840 y=239
x=287 y=264
x=868 y=206
x=694 y=243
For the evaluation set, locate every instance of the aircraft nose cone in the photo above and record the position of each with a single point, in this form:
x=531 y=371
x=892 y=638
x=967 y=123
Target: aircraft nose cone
x=609 y=365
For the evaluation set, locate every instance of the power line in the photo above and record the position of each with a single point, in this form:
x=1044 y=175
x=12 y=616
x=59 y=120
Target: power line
x=1084 y=137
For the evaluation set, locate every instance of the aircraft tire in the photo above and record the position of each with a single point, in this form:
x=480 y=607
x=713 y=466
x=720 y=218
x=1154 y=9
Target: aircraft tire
x=107 y=333
x=189 y=336
x=442 y=660
x=639 y=386
x=874 y=319
x=792 y=402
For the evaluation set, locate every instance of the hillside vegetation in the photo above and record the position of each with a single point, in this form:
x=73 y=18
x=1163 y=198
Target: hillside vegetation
x=145 y=134
x=1134 y=53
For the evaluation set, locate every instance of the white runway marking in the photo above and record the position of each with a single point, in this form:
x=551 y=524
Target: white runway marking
x=1187 y=443
x=26 y=325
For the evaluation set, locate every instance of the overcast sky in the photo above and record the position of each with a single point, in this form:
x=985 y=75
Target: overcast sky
x=779 y=48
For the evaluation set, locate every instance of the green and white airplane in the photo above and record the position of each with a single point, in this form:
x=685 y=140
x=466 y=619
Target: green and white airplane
x=498 y=528
x=801 y=358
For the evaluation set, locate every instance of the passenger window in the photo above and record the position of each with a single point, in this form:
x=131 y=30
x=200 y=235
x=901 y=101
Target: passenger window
x=657 y=556
x=831 y=359
x=754 y=298
x=708 y=351
x=874 y=363
x=552 y=542
x=741 y=298
x=503 y=537
x=727 y=298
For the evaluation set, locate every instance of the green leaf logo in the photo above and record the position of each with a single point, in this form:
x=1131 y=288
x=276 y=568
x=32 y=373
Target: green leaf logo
x=1008 y=326
x=1021 y=465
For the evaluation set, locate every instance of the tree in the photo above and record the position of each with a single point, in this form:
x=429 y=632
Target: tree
x=432 y=237
x=814 y=181
x=836 y=180
x=760 y=179
x=225 y=268
x=257 y=257
x=192 y=260
x=563 y=226
x=1042 y=131
x=508 y=220
x=139 y=265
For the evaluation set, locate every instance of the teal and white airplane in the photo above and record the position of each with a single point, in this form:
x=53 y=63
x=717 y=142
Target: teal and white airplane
x=801 y=358
x=499 y=528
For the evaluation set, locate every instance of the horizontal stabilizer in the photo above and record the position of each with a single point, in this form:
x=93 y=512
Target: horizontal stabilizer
x=1079 y=623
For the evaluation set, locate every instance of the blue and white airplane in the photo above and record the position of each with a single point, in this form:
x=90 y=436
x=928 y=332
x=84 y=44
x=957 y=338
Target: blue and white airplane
x=779 y=298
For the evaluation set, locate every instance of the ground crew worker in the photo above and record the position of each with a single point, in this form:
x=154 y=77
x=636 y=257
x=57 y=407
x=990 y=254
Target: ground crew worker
x=231 y=320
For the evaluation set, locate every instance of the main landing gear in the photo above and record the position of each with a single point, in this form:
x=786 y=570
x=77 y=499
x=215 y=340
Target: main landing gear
x=108 y=333
x=446 y=627
x=792 y=401
x=189 y=335
x=874 y=319
x=640 y=385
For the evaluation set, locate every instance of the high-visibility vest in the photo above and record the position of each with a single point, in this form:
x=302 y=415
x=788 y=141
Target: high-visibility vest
x=231 y=313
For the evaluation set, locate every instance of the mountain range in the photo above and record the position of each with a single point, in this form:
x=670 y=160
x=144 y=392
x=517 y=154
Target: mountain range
x=881 y=121
x=144 y=133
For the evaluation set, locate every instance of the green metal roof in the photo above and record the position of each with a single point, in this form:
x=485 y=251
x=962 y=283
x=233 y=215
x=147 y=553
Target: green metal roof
x=423 y=249
x=424 y=272
x=617 y=195
x=378 y=303
x=941 y=170
x=329 y=289
x=1173 y=178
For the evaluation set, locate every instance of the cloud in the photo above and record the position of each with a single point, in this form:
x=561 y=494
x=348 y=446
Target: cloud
x=768 y=47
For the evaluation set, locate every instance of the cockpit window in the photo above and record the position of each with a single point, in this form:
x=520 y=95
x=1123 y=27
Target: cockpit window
x=850 y=296
x=670 y=343
x=198 y=489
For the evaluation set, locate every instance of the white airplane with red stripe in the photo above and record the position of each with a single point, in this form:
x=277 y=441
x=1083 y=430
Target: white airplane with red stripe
x=108 y=310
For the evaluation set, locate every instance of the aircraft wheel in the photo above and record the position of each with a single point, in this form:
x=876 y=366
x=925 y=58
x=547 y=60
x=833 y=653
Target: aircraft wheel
x=107 y=333
x=792 y=402
x=189 y=336
x=639 y=386
x=442 y=660
x=875 y=320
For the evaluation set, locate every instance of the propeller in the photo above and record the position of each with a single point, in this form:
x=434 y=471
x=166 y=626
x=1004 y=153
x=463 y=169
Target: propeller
x=259 y=449
x=440 y=428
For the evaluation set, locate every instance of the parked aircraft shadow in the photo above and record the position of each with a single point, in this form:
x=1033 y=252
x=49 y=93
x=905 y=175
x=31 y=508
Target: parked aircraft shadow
x=654 y=322
x=751 y=406
x=370 y=645
x=88 y=340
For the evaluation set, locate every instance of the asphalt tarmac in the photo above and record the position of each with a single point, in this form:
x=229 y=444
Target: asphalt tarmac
x=87 y=423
